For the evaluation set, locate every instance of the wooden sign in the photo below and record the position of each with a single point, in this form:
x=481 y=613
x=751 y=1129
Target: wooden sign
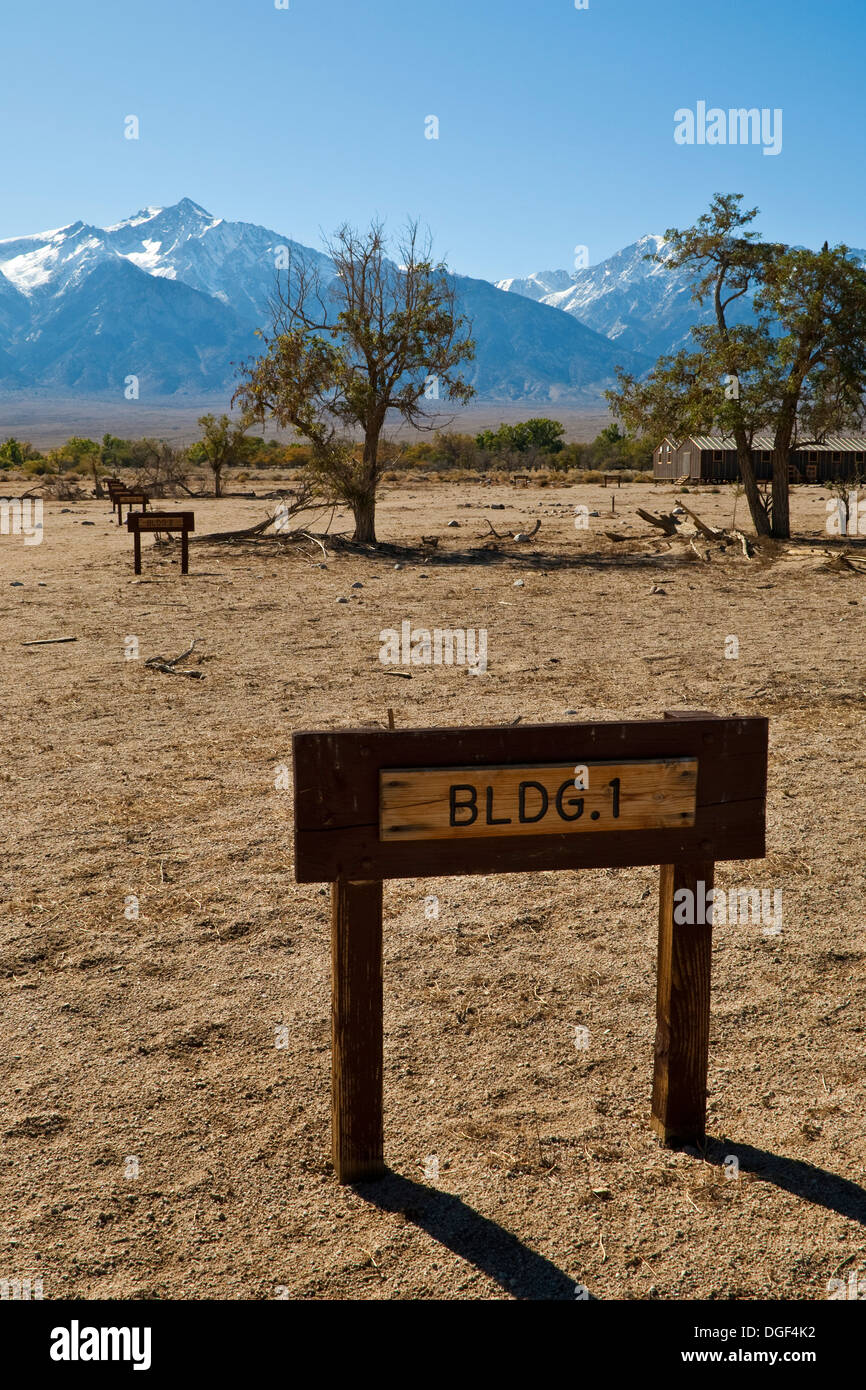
x=461 y=802
x=129 y=499
x=370 y=805
x=115 y=487
x=137 y=522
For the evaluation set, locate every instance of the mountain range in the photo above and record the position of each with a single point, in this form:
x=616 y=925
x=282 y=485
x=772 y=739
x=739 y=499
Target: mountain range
x=634 y=300
x=173 y=296
x=642 y=304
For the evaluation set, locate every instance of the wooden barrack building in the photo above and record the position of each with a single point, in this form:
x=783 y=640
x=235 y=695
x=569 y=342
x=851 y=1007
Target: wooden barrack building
x=712 y=458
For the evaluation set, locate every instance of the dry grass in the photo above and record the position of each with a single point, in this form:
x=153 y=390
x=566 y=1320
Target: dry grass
x=155 y=1036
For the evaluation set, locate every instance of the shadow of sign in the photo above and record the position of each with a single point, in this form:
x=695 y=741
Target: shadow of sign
x=792 y=1175
x=521 y=1272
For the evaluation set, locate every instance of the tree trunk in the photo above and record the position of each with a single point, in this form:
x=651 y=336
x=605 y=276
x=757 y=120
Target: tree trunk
x=757 y=510
x=217 y=482
x=365 y=507
x=365 y=519
x=781 y=492
x=781 y=517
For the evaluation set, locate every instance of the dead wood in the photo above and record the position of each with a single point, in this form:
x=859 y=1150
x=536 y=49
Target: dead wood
x=663 y=522
x=709 y=532
x=841 y=562
x=169 y=665
x=748 y=548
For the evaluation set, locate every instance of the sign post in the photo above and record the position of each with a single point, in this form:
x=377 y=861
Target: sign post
x=137 y=522
x=128 y=499
x=370 y=805
x=115 y=486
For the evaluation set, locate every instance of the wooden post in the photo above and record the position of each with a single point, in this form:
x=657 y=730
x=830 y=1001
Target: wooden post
x=357 y=1131
x=679 y=1100
x=184 y=551
x=136 y=541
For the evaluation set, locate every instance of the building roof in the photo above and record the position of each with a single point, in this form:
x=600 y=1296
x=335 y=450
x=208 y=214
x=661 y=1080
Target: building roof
x=832 y=443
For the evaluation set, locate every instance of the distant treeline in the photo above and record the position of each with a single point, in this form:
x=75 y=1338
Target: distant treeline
x=535 y=443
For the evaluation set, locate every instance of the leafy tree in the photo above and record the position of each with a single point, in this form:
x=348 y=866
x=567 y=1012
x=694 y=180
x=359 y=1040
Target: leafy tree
x=223 y=445
x=798 y=370
x=341 y=354
x=539 y=435
x=11 y=453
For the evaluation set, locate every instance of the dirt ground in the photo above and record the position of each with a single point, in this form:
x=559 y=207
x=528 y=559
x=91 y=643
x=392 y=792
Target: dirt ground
x=165 y=1076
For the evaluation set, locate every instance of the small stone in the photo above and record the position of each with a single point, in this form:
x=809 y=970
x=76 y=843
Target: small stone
x=16 y=584
x=454 y=523
x=571 y=711
x=497 y=506
x=398 y=567
x=88 y=523
x=357 y=584
x=65 y=509
x=518 y=584
x=342 y=600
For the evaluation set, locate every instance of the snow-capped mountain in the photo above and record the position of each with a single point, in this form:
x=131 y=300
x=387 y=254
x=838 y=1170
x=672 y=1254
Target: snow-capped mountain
x=641 y=304
x=174 y=296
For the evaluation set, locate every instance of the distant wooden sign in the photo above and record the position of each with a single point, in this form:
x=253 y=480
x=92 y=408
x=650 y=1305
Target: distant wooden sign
x=460 y=802
x=129 y=499
x=115 y=487
x=139 y=522
x=371 y=805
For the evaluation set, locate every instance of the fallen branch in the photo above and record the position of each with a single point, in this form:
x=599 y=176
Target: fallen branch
x=748 y=549
x=247 y=531
x=48 y=641
x=841 y=562
x=709 y=532
x=311 y=538
x=160 y=663
x=663 y=522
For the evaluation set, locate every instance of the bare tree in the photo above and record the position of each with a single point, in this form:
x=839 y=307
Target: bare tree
x=349 y=346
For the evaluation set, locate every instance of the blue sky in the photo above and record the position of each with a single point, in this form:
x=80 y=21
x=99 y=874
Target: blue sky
x=555 y=124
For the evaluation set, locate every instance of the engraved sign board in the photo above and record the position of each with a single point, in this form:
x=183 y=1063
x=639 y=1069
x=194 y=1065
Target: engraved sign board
x=137 y=522
x=161 y=521
x=126 y=498
x=372 y=805
x=469 y=802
